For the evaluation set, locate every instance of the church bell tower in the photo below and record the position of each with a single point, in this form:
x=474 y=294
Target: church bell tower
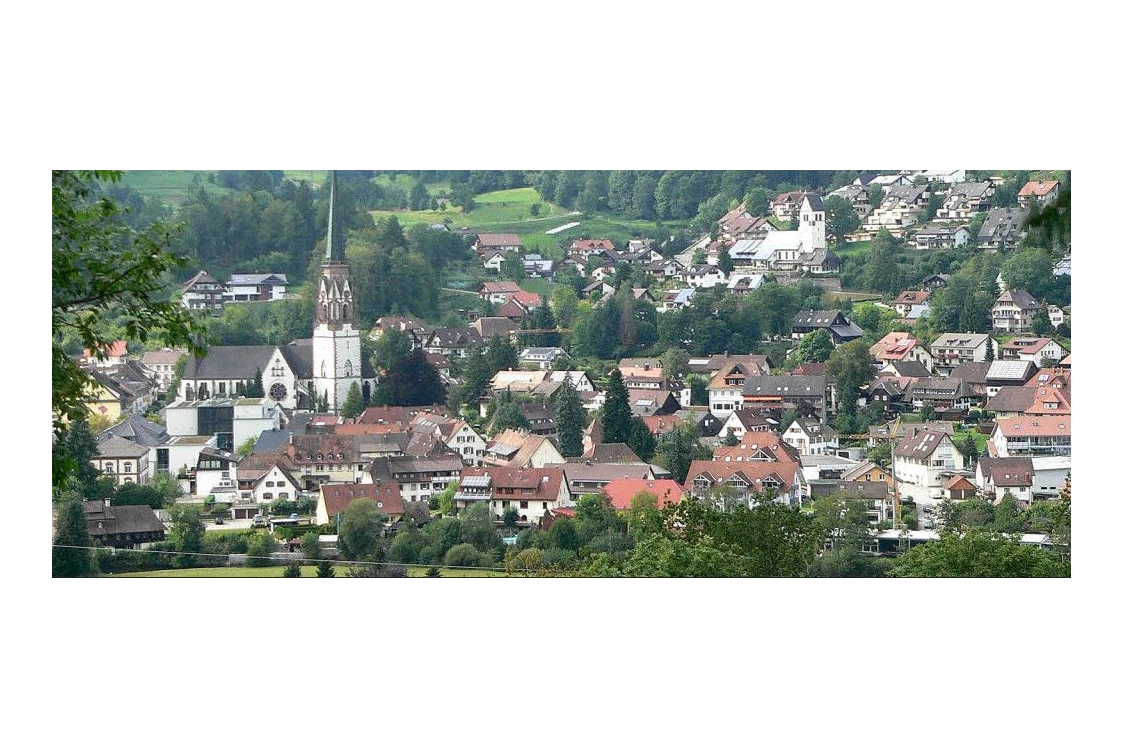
x=336 y=355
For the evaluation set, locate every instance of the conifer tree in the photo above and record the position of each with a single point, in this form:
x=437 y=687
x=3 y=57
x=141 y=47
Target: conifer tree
x=617 y=414
x=571 y=419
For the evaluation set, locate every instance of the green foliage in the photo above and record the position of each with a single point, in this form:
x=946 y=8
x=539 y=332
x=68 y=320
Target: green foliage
x=979 y=553
x=103 y=269
x=816 y=346
x=354 y=404
x=360 y=530
x=325 y=569
x=292 y=570
x=1031 y=269
x=71 y=466
x=261 y=547
x=678 y=449
x=477 y=528
x=876 y=194
x=852 y=366
x=616 y=416
x=413 y=381
x=71 y=530
x=570 y=419
x=464 y=554
x=392 y=348
x=186 y=533
x=841 y=218
x=310 y=545
x=445 y=500
x=507 y=414
x=641 y=440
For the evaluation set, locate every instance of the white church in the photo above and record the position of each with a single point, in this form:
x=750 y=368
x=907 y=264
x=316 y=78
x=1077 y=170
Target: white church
x=305 y=371
x=803 y=249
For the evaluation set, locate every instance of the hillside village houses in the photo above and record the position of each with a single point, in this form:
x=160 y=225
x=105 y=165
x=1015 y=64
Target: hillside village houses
x=1007 y=386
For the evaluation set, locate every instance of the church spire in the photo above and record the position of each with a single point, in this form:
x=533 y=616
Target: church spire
x=335 y=225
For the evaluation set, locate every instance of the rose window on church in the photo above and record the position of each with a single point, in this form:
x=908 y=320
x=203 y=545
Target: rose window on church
x=278 y=392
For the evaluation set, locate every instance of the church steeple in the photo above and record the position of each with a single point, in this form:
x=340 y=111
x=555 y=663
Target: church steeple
x=335 y=225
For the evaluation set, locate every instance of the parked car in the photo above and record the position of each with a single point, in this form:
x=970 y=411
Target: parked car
x=219 y=521
x=259 y=521
x=294 y=515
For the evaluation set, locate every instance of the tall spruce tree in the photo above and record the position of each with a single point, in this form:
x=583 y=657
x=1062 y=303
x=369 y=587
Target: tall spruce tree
x=617 y=414
x=69 y=557
x=571 y=419
x=354 y=405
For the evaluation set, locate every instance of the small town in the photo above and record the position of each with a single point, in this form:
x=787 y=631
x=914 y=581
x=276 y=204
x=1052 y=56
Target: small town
x=562 y=374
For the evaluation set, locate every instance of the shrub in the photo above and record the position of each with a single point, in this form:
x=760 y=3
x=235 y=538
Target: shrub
x=292 y=570
x=464 y=554
x=259 y=550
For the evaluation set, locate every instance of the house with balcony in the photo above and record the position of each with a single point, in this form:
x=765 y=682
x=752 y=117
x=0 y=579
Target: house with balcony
x=997 y=476
x=803 y=393
x=966 y=200
x=255 y=287
x=1003 y=228
x=922 y=462
x=942 y=393
x=955 y=348
x=1034 y=349
x=203 y=292
x=940 y=237
x=810 y=437
x=531 y=491
x=1014 y=311
x=418 y=478
x=833 y=321
x=731 y=483
x=499 y=242
x=1035 y=436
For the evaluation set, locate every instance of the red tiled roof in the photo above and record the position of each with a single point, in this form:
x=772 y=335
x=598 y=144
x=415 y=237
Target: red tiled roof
x=527 y=299
x=622 y=490
x=338 y=496
x=1037 y=189
x=498 y=240
x=592 y=244
x=115 y=350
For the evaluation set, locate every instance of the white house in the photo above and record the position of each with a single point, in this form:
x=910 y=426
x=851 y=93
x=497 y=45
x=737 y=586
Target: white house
x=811 y=437
x=941 y=237
x=255 y=287
x=922 y=461
x=705 y=276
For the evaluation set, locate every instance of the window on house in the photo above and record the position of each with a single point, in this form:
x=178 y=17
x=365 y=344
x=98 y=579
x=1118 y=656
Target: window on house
x=280 y=484
x=267 y=496
x=524 y=504
x=128 y=467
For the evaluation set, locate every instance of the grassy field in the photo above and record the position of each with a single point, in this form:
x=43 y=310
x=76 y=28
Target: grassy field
x=980 y=439
x=172 y=187
x=245 y=572
x=854 y=249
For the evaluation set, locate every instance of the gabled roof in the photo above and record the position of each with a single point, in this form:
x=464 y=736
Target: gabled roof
x=751 y=473
x=498 y=240
x=618 y=454
x=620 y=492
x=137 y=429
x=1038 y=189
x=1011 y=371
x=1019 y=298
x=386 y=494
x=120 y=519
x=1020 y=426
x=1012 y=400
x=116 y=447
x=1007 y=471
x=922 y=445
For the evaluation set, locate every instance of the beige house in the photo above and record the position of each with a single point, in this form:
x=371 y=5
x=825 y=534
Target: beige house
x=122 y=460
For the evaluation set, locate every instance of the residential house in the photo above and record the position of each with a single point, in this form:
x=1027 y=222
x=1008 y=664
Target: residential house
x=517 y=381
x=543 y=358
x=906 y=300
x=493 y=260
x=901 y=346
x=660 y=426
x=159 y=366
x=675 y=299
x=879 y=504
x=857 y=195
x=541 y=417
x=727 y=386
x=335 y=498
x=640 y=367
x=1011 y=401
x=945 y=176
x=585 y=476
x=744 y=481
x=997 y=476
x=1008 y=374
x=921 y=463
x=203 y=292
x=586 y=248
x=940 y=237
x=934 y=281
x=1014 y=311
x=489 y=327
x=741 y=284
x=113 y=355
x=122 y=460
x=1034 y=349
x=743 y=421
x=519 y=448
x=974 y=375
x=807 y=394
x=497 y=292
x=758 y=446
x=267 y=477
x=954 y=348
x=785 y=206
x=533 y=492
x=1041 y=193
x=811 y=438
x=621 y=492
x=833 y=321
x=324 y=458
x=147 y=434
x=646 y=402
x=1003 y=228
x=536 y=267
x=255 y=287
x=1056 y=315
x=215 y=474
x=418 y=478
x=965 y=200
x=902 y=206
x=122 y=526
x=705 y=276
x=942 y=393
x=1035 y=436
x=453 y=342
x=500 y=242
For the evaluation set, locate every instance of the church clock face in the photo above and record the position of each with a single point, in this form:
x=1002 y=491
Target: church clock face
x=278 y=392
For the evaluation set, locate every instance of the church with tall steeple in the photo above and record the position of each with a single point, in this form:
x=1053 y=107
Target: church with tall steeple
x=336 y=354
x=300 y=374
